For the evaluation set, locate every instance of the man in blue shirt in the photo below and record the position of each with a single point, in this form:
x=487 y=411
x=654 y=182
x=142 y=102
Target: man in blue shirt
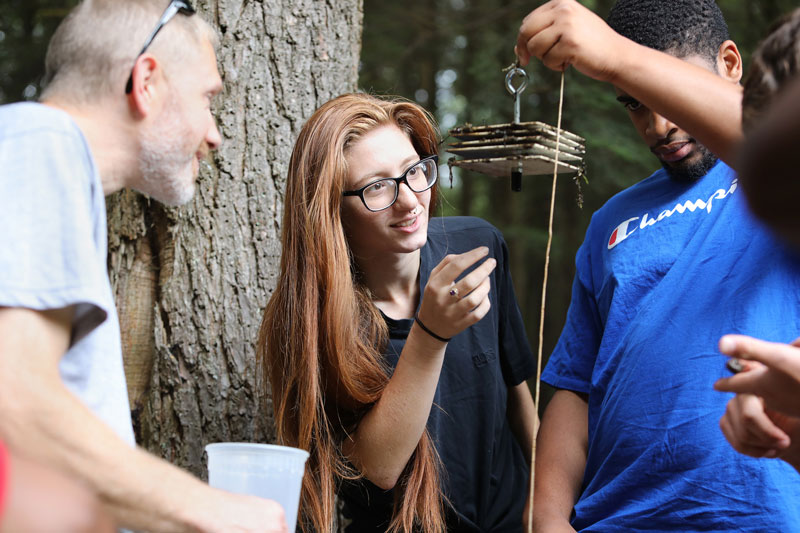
x=630 y=440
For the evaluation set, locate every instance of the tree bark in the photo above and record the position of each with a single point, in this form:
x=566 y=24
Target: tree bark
x=191 y=283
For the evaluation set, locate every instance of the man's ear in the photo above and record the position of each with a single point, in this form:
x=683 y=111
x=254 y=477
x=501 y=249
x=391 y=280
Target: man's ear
x=145 y=76
x=729 y=62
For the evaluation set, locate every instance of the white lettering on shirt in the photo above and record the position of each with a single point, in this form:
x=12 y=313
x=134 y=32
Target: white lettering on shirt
x=620 y=233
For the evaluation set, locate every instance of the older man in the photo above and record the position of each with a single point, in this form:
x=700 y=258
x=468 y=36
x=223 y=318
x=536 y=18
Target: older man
x=114 y=114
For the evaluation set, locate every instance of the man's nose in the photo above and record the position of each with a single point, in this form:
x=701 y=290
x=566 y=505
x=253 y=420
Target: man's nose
x=659 y=127
x=213 y=136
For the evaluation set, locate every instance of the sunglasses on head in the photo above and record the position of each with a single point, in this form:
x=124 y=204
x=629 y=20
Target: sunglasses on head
x=175 y=6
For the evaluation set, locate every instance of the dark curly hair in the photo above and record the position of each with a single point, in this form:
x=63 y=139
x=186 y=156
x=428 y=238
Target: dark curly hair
x=680 y=27
x=775 y=62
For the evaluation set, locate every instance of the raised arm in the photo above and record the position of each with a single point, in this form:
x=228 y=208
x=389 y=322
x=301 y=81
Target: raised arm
x=562 y=33
x=39 y=415
x=561 y=451
x=389 y=433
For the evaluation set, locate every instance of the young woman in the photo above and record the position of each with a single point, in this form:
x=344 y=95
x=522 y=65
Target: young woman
x=393 y=343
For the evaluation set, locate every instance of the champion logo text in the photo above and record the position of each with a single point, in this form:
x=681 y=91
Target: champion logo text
x=629 y=226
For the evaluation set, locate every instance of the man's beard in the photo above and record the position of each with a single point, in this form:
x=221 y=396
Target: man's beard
x=166 y=163
x=687 y=173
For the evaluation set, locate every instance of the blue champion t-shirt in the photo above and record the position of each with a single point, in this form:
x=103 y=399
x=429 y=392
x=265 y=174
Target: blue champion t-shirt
x=666 y=269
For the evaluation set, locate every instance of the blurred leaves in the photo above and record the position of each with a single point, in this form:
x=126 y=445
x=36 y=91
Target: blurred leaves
x=25 y=29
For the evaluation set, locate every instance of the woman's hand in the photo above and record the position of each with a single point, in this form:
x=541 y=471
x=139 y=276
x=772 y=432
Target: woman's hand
x=389 y=432
x=449 y=307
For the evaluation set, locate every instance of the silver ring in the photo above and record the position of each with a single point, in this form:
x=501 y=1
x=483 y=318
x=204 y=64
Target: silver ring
x=454 y=292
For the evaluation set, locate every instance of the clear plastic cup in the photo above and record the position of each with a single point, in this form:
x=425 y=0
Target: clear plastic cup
x=264 y=470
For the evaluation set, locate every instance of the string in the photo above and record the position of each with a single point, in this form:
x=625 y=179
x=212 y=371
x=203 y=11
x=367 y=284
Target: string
x=541 y=311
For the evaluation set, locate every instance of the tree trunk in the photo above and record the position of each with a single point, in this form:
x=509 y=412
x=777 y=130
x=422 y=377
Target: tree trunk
x=191 y=283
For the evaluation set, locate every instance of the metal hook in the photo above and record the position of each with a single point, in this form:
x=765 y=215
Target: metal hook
x=515 y=91
x=516 y=72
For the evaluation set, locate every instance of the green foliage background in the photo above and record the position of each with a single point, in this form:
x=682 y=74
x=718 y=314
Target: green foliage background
x=25 y=29
x=448 y=55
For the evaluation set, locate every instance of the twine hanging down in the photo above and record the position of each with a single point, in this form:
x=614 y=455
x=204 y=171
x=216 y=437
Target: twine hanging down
x=522 y=148
x=541 y=311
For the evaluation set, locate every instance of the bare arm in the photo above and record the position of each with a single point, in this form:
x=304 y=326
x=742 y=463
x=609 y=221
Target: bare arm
x=40 y=416
x=389 y=433
x=563 y=33
x=561 y=451
x=707 y=106
x=522 y=417
x=524 y=422
x=70 y=508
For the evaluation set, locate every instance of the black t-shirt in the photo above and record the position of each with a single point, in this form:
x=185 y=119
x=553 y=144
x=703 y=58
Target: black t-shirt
x=485 y=474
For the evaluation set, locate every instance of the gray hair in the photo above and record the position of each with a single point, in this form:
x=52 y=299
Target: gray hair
x=93 y=50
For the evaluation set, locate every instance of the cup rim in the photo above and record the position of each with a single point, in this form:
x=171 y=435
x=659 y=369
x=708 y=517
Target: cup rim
x=253 y=447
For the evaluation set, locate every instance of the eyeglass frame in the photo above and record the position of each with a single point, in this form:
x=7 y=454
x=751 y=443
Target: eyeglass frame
x=398 y=181
x=174 y=7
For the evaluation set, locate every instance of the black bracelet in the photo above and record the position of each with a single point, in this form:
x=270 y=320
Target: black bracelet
x=429 y=332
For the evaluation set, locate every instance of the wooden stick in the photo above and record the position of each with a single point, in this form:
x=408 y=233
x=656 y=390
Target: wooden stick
x=541 y=311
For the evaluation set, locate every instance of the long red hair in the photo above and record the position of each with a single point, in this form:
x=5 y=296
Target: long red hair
x=321 y=339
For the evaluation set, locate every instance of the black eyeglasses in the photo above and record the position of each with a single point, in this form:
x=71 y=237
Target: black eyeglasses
x=382 y=193
x=174 y=7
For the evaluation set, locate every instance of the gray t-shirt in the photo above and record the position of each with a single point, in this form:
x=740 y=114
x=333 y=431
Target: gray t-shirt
x=53 y=249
